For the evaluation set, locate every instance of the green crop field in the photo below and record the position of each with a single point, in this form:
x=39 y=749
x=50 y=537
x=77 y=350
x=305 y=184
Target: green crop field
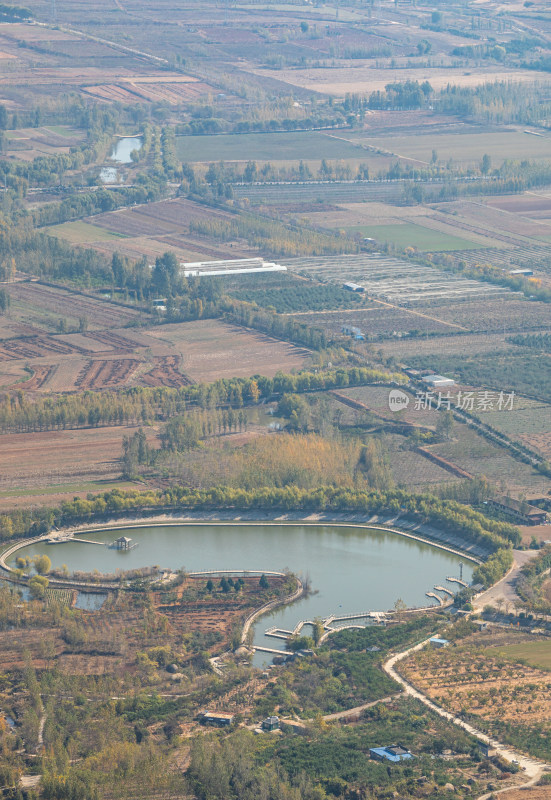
x=463 y=148
x=537 y=654
x=64 y=130
x=81 y=232
x=408 y=234
x=264 y=147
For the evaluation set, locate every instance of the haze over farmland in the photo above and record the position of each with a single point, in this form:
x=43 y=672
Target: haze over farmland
x=275 y=400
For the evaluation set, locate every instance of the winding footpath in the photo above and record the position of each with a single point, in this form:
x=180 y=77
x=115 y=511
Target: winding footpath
x=532 y=767
x=269 y=607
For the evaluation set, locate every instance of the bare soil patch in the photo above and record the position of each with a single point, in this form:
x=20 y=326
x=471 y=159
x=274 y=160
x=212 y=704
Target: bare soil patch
x=106 y=374
x=531 y=793
x=166 y=372
x=48 y=458
x=366 y=79
x=211 y=349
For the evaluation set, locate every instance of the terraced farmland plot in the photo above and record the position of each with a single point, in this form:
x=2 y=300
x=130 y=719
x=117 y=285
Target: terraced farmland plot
x=476 y=455
x=505 y=314
x=529 y=422
x=395 y=281
x=380 y=320
x=32 y=300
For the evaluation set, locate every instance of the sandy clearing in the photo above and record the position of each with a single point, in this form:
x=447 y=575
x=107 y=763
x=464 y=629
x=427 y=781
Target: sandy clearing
x=338 y=81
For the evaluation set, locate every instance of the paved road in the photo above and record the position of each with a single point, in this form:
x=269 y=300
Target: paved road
x=532 y=767
x=504 y=591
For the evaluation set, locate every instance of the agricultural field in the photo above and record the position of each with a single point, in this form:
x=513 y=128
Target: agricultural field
x=475 y=231
x=487 y=664
x=154 y=228
x=396 y=281
x=211 y=349
x=82 y=233
x=294 y=146
x=367 y=78
x=409 y=234
x=466 y=449
x=509 y=313
x=411 y=470
x=456 y=345
x=49 y=62
x=38 y=307
x=36 y=461
x=291 y=293
x=529 y=422
x=464 y=149
x=523 y=373
x=476 y=455
x=376 y=399
x=108 y=357
x=380 y=321
x=384 y=217
x=174 y=90
x=26 y=144
x=535 y=654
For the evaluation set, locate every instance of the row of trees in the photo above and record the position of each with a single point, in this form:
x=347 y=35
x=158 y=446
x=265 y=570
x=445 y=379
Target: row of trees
x=447 y=515
x=494 y=568
x=273 y=236
x=406 y=95
x=143 y=404
x=497 y=102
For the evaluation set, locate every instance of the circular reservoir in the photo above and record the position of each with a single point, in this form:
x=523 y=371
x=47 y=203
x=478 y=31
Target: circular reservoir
x=351 y=569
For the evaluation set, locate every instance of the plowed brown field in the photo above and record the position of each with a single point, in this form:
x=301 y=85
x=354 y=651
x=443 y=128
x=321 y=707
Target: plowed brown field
x=165 y=373
x=102 y=374
x=32 y=460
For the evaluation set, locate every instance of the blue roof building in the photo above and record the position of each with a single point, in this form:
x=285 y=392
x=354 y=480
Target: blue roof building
x=437 y=642
x=393 y=753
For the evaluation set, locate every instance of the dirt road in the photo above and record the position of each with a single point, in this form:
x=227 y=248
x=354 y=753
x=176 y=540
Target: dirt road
x=532 y=767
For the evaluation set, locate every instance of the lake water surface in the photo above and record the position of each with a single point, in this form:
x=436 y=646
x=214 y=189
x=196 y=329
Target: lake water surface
x=121 y=155
x=351 y=570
